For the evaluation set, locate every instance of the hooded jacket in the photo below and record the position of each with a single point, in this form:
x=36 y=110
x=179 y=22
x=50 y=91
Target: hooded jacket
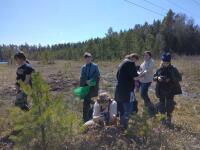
x=172 y=87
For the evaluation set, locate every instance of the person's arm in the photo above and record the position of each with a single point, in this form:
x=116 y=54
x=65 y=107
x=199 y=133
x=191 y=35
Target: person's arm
x=27 y=79
x=29 y=70
x=176 y=76
x=147 y=68
x=155 y=76
x=96 y=113
x=113 y=112
x=132 y=70
x=82 y=77
x=96 y=73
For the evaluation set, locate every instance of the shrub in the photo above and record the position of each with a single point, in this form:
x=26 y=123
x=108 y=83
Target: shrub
x=48 y=122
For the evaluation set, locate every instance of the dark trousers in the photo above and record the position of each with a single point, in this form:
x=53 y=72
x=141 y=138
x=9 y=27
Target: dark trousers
x=147 y=102
x=166 y=105
x=87 y=109
x=21 y=101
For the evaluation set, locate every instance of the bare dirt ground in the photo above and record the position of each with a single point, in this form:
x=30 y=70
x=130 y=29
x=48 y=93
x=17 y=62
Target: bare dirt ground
x=63 y=76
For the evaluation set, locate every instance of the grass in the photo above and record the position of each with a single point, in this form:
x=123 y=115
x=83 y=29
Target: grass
x=186 y=115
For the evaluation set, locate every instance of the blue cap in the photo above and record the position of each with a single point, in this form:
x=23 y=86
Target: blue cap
x=166 y=57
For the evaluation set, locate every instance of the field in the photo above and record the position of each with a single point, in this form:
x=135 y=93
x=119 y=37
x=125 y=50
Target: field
x=63 y=76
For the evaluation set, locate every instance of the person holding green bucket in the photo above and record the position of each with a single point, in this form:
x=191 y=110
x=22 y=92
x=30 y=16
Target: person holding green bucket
x=81 y=92
x=89 y=85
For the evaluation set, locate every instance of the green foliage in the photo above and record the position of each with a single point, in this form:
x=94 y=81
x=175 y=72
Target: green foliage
x=174 y=32
x=48 y=122
x=47 y=57
x=143 y=127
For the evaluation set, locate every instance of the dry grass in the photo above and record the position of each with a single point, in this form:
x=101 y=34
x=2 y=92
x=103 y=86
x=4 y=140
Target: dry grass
x=186 y=116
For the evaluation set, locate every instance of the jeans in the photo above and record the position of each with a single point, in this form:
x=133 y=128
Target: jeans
x=144 y=92
x=127 y=111
x=87 y=109
x=145 y=97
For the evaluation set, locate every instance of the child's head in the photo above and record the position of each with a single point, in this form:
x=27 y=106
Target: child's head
x=166 y=60
x=133 y=57
x=103 y=99
x=19 y=57
x=88 y=57
x=147 y=55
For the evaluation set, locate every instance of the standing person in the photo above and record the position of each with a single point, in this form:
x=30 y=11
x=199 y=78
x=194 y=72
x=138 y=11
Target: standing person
x=146 y=78
x=137 y=81
x=23 y=73
x=135 y=58
x=167 y=79
x=89 y=72
x=124 y=92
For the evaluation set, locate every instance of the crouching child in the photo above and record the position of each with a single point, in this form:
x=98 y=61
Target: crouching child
x=167 y=79
x=104 y=111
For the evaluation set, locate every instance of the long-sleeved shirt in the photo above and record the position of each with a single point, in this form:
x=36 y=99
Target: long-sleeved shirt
x=146 y=69
x=112 y=110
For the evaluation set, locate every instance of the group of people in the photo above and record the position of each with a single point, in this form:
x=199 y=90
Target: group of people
x=131 y=78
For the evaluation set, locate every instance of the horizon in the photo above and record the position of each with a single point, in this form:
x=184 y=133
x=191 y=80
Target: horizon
x=58 y=22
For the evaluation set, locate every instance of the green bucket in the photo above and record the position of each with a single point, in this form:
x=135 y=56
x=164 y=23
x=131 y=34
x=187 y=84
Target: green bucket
x=83 y=91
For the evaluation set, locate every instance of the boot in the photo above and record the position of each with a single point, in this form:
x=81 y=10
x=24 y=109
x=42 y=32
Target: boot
x=168 y=123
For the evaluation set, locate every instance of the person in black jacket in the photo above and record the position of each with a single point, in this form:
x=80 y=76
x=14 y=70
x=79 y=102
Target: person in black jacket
x=167 y=79
x=23 y=73
x=124 y=93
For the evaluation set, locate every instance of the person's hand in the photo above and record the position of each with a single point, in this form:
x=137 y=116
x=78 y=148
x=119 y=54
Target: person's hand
x=114 y=120
x=88 y=82
x=141 y=75
x=136 y=78
x=97 y=118
x=167 y=80
x=160 y=79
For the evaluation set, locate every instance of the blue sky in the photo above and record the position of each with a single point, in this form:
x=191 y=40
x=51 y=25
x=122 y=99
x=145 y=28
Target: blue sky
x=58 y=21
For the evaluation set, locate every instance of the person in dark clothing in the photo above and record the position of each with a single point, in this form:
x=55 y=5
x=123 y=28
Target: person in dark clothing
x=89 y=72
x=23 y=73
x=135 y=58
x=167 y=79
x=124 y=93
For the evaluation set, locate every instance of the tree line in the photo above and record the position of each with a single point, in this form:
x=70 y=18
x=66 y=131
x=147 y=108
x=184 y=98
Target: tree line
x=175 y=33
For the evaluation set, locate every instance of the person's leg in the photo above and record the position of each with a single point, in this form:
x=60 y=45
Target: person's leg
x=161 y=109
x=161 y=105
x=127 y=110
x=21 y=101
x=120 y=110
x=170 y=106
x=144 y=93
x=145 y=97
x=135 y=104
x=86 y=109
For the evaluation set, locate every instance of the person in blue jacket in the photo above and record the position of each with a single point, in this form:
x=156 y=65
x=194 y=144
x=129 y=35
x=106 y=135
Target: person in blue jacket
x=89 y=72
